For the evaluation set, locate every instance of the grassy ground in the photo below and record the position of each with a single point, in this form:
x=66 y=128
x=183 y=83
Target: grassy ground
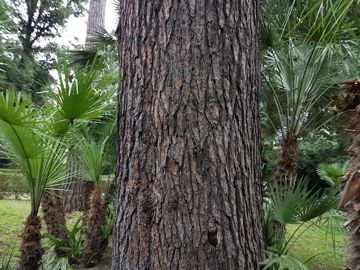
x=12 y=217
x=309 y=244
x=316 y=243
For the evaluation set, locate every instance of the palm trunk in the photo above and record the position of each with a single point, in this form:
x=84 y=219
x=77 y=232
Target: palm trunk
x=54 y=216
x=30 y=249
x=350 y=197
x=287 y=163
x=95 y=219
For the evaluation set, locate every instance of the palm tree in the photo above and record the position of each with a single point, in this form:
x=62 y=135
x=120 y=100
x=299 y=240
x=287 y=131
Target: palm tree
x=298 y=80
x=300 y=47
x=94 y=159
x=75 y=103
x=41 y=161
x=36 y=143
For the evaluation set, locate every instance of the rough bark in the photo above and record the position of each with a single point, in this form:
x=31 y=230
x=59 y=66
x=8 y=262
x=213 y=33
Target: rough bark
x=94 y=221
x=96 y=17
x=187 y=185
x=54 y=217
x=30 y=248
x=350 y=197
x=287 y=164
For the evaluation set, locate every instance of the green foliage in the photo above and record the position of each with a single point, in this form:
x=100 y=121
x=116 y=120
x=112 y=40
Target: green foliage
x=51 y=262
x=39 y=158
x=282 y=262
x=12 y=182
x=93 y=159
x=296 y=79
x=299 y=204
x=331 y=173
x=321 y=148
x=101 y=49
x=75 y=235
x=5 y=264
x=86 y=98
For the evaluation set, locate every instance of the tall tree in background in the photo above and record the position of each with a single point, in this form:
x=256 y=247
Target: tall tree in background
x=77 y=190
x=37 y=23
x=188 y=187
x=96 y=20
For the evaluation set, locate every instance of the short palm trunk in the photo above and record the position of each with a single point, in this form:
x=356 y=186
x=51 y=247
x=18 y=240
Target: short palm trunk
x=54 y=216
x=95 y=219
x=30 y=249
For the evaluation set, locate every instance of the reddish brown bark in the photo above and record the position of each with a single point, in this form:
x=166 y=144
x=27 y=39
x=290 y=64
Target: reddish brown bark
x=350 y=197
x=188 y=189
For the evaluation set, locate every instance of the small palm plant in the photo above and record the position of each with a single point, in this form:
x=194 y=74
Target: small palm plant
x=331 y=173
x=94 y=156
x=41 y=161
x=298 y=206
x=301 y=52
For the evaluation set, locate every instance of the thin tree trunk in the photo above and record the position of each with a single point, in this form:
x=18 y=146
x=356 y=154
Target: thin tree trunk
x=96 y=18
x=187 y=186
x=30 y=248
x=285 y=174
x=73 y=196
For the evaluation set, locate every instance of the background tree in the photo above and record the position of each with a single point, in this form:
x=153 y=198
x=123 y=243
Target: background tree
x=187 y=185
x=30 y=49
x=77 y=190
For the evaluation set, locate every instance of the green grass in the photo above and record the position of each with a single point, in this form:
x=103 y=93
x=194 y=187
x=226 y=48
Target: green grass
x=12 y=217
x=314 y=241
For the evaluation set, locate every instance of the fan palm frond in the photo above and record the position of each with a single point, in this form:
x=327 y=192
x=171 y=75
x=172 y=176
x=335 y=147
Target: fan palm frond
x=299 y=204
x=93 y=159
x=297 y=83
x=39 y=158
x=85 y=98
x=331 y=173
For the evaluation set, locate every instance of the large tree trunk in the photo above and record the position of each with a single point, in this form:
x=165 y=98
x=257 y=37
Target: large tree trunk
x=187 y=186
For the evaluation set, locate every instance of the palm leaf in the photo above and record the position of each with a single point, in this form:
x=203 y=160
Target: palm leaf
x=86 y=97
x=299 y=204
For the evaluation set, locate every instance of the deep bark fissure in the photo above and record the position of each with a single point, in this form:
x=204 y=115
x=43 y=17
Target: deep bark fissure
x=188 y=188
